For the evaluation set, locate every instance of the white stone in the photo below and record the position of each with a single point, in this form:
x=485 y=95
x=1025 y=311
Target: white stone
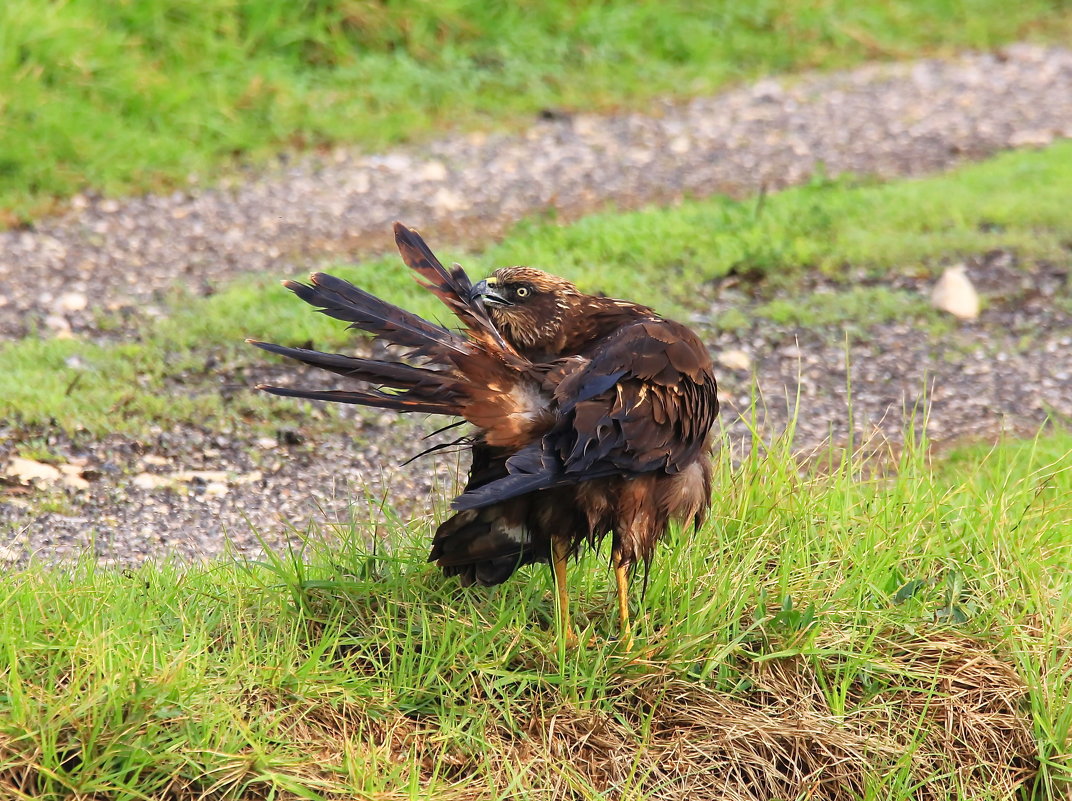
x=250 y=478
x=434 y=171
x=75 y=482
x=735 y=360
x=448 y=200
x=72 y=477
x=1031 y=138
x=680 y=145
x=58 y=323
x=73 y=301
x=150 y=481
x=955 y=294
x=208 y=476
x=29 y=471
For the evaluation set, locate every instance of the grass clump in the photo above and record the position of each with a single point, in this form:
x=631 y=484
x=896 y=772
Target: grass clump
x=192 y=366
x=135 y=96
x=828 y=634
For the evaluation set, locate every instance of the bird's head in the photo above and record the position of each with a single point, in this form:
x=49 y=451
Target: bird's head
x=528 y=306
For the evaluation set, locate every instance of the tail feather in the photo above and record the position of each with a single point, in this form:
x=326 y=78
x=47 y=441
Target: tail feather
x=380 y=400
x=391 y=374
x=344 y=301
x=485 y=547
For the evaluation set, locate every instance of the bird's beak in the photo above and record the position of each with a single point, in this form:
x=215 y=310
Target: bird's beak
x=486 y=291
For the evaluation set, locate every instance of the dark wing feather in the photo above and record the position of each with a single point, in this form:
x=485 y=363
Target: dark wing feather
x=381 y=400
x=644 y=401
x=453 y=287
x=344 y=301
x=392 y=374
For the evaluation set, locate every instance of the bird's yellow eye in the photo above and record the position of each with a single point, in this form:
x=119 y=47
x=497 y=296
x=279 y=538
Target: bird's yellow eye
x=522 y=291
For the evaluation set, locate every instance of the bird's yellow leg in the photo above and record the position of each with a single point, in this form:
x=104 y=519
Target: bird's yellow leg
x=559 y=556
x=621 y=574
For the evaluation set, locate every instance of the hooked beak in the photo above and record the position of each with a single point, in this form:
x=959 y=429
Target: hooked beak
x=485 y=291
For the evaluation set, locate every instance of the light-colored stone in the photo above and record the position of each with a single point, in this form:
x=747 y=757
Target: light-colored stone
x=448 y=200
x=72 y=477
x=9 y=554
x=1031 y=138
x=73 y=301
x=680 y=145
x=151 y=481
x=216 y=489
x=267 y=443
x=57 y=323
x=208 y=476
x=250 y=478
x=735 y=360
x=434 y=171
x=955 y=294
x=28 y=471
x=75 y=482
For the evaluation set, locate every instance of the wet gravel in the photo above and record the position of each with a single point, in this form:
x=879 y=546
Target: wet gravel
x=193 y=493
x=1007 y=372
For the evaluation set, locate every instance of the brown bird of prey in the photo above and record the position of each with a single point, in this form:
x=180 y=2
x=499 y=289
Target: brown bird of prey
x=592 y=415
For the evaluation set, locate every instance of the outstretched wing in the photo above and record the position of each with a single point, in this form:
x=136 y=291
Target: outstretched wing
x=643 y=401
x=473 y=373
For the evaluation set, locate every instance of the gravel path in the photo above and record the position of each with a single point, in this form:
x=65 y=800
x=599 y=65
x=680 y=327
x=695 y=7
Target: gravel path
x=190 y=492
x=902 y=119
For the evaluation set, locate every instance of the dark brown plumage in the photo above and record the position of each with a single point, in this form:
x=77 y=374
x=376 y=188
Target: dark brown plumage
x=592 y=415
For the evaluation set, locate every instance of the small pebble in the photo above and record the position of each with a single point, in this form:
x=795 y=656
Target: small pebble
x=955 y=294
x=735 y=359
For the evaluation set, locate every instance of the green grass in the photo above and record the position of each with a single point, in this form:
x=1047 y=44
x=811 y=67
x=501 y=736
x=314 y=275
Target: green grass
x=169 y=371
x=133 y=96
x=341 y=672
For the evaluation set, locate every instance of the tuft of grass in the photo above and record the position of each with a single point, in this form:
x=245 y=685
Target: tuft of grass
x=193 y=366
x=137 y=96
x=903 y=634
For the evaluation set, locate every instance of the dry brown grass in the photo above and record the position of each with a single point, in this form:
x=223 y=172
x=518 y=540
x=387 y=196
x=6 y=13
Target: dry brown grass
x=942 y=709
x=960 y=705
x=782 y=740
